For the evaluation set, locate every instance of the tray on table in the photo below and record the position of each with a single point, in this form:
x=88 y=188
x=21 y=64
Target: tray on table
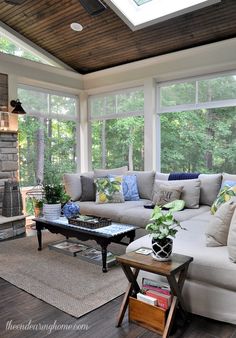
x=90 y=222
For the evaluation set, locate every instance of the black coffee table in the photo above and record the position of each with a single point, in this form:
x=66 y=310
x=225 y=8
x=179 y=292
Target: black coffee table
x=113 y=233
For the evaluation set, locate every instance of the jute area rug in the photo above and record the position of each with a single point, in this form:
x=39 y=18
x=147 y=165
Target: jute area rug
x=68 y=283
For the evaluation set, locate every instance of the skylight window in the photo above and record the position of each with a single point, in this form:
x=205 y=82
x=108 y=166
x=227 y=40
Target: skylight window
x=141 y=2
x=138 y=14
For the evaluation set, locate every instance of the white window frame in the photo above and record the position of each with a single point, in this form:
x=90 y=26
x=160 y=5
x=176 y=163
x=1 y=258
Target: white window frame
x=117 y=115
x=75 y=118
x=108 y=117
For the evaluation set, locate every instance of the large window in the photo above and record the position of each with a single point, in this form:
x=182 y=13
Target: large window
x=47 y=135
x=8 y=46
x=117 y=126
x=198 y=125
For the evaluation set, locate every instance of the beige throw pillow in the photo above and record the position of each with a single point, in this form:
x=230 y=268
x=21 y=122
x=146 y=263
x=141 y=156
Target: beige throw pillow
x=231 y=242
x=218 y=228
x=163 y=194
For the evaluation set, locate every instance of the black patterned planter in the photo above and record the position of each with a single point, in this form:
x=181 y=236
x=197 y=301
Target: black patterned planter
x=162 y=248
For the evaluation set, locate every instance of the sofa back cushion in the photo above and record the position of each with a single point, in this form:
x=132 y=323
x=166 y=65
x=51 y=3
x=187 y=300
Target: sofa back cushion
x=106 y=172
x=190 y=193
x=145 y=181
x=218 y=227
x=210 y=187
x=72 y=183
x=162 y=176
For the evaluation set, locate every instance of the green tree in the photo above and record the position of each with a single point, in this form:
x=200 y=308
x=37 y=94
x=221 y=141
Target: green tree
x=199 y=140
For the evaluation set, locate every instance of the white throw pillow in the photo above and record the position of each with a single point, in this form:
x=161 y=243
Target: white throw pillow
x=218 y=228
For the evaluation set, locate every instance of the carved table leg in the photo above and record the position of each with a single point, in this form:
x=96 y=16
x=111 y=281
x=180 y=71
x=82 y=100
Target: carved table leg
x=104 y=257
x=39 y=235
x=131 y=236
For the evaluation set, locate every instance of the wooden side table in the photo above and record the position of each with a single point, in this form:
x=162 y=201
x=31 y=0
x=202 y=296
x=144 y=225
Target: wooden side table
x=174 y=270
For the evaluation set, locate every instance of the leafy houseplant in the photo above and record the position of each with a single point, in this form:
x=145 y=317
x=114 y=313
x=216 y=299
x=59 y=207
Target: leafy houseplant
x=161 y=227
x=54 y=196
x=38 y=206
x=54 y=193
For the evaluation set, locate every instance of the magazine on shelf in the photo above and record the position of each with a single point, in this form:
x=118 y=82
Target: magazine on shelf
x=67 y=247
x=95 y=256
x=161 y=287
x=75 y=249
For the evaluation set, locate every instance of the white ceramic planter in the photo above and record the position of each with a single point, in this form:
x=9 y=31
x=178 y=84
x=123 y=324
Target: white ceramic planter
x=51 y=211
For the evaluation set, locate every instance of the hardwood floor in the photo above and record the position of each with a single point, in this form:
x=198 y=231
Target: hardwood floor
x=17 y=306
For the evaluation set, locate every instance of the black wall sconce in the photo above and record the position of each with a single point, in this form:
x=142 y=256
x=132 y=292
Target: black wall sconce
x=17 y=107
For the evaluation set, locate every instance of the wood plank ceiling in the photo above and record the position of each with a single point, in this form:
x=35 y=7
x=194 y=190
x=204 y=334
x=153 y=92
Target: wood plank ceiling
x=106 y=40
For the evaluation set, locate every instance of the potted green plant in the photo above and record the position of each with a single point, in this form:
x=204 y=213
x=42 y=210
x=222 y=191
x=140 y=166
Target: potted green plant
x=38 y=206
x=162 y=226
x=54 y=196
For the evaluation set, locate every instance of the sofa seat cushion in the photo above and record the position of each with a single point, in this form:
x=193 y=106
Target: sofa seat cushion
x=187 y=214
x=137 y=215
x=140 y=216
x=113 y=211
x=210 y=265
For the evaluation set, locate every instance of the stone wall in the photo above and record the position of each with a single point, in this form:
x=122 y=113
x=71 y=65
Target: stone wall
x=8 y=159
x=3 y=92
x=9 y=226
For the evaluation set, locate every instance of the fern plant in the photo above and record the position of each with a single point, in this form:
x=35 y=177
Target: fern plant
x=54 y=193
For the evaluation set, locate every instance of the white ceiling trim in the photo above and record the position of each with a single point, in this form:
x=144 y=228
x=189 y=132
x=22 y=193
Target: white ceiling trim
x=155 y=11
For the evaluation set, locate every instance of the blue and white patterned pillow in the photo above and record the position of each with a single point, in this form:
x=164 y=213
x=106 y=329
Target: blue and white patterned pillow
x=130 y=187
x=228 y=183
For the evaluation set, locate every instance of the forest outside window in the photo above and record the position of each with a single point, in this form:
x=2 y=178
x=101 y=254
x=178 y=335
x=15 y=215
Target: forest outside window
x=47 y=135
x=198 y=125
x=117 y=128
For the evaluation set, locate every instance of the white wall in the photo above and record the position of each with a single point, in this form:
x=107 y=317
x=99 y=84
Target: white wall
x=215 y=57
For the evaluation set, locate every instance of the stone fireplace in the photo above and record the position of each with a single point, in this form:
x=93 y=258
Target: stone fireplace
x=9 y=226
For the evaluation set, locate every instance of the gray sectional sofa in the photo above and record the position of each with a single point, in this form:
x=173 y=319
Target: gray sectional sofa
x=210 y=288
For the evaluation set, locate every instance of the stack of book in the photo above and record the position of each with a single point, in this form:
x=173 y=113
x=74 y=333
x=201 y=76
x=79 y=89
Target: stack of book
x=155 y=293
